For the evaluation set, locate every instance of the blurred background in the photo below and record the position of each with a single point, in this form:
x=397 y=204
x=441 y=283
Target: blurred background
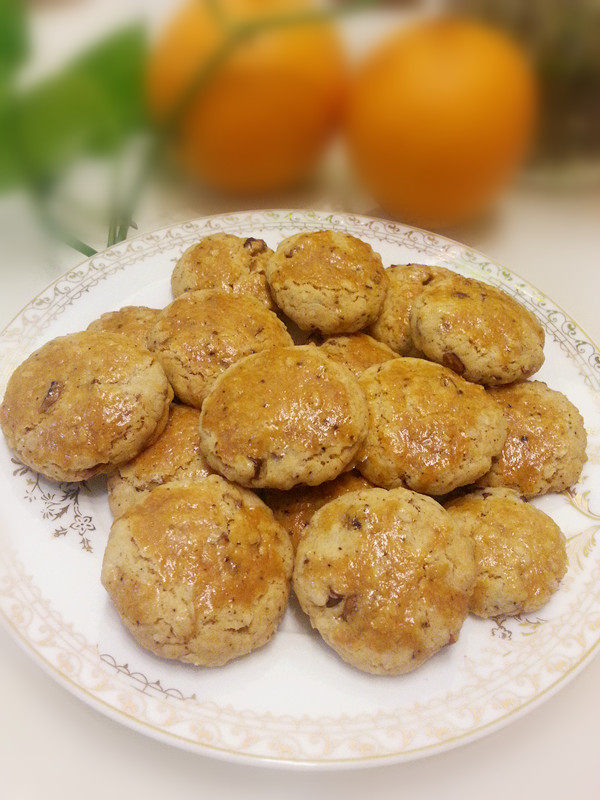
x=477 y=118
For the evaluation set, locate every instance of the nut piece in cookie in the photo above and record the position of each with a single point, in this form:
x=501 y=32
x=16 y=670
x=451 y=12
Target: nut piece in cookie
x=407 y=281
x=520 y=554
x=282 y=417
x=477 y=330
x=545 y=446
x=131 y=321
x=385 y=577
x=201 y=334
x=357 y=351
x=174 y=457
x=199 y=572
x=225 y=262
x=429 y=429
x=293 y=509
x=327 y=281
x=83 y=404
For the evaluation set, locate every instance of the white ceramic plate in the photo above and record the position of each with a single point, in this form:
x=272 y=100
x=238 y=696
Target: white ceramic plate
x=294 y=701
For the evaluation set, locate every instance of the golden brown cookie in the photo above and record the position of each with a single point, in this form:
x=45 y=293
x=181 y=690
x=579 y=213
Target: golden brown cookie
x=174 y=457
x=84 y=403
x=477 y=330
x=385 y=577
x=225 y=262
x=131 y=321
x=282 y=417
x=407 y=281
x=327 y=281
x=199 y=572
x=428 y=429
x=293 y=509
x=357 y=351
x=202 y=333
x=545 y=446
x=520 y=554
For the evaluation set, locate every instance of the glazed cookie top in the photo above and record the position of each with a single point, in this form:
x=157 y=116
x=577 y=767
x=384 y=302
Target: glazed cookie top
x=83 y=403
x=327 y=281
x=545 y=446
x=131 y=321
x=207 y=550
x=520 y=555
x=174 y=457
x=385 y=577
x=429 y=429
x=294 y=509
x=477 y=330
x=282 y=417
x=357 y=351
x=407 y=281
x=202 y=333
x=226 y=262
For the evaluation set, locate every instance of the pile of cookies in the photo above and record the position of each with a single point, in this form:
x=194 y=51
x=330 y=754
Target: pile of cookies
x=322 y=403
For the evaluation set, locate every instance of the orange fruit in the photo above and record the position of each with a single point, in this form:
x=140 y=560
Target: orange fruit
x=268 y=112
x=440 y=116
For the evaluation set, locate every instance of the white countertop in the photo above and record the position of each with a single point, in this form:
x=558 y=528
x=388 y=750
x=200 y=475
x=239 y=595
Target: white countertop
x=53 y=746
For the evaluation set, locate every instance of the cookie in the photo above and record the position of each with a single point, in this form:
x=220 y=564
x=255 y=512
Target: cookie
x=520 y=553
x=327 y=281
x=131 y=321
x=293 y=510
x=478 y=331
x=175 y=457
x=429 y=429
x=202 y=333
x=545 y=446
x=83 y=404
x=357 y=351
x=225 y=262
x=407 y=281
x=199 y=572
x=282 y=417
x=385 y=577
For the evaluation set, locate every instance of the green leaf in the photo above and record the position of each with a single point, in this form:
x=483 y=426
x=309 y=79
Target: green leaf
x=13 y=37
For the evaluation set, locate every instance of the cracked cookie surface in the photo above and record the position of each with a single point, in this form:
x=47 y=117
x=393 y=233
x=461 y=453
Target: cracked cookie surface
x=327 y=281
x=283 y=417
x=225 y=262
x=84 y=403
x=478 y=331
x=201 y=334
x=199 y=573
x=357 y=351
x=134 y=322
x=546 y=441
x=429 y=429
x=174 y=457
x=520 y=553
x=385 y=577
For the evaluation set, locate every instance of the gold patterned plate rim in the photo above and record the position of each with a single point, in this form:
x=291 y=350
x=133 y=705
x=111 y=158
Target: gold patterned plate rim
x=536 y=653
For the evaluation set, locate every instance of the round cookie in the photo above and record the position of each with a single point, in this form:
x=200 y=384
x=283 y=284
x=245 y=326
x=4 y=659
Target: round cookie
x=226 y=262
x=357 y=351
x=199 y=572
x=520 y=553
x=385 y=577
x=134 y=322
x=174 y=457
x=202 y=333
x=327 y=281
x=429 y=429
x=544 y=450
x=477 y=330
x=407 y=281
x=283 y=417
x=84 y=403
x=293 y=510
